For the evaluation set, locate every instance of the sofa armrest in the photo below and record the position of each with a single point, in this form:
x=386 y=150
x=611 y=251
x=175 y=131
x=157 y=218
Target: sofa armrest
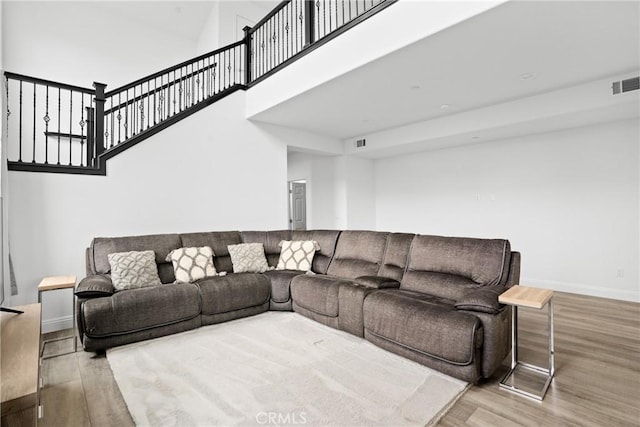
x=484 y=300
x=377 y=282
x=95 y=287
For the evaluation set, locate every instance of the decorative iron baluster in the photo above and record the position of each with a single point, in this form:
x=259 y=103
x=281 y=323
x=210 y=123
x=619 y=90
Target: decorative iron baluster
x=70 y=124
x=180 y=91
x=202 y=71
x=134 y=114
x=174 y=92
x=126 y=116
x=324 y=19
x=81 y=123
x=147 y=109
x=141 y=108
x=278 y=38
x=155 y=94
x=46 y=119
x=228 y=69
x=33 y=153
x=119 y=117
x=59 y=126
x=20 y=126
x=112 y=125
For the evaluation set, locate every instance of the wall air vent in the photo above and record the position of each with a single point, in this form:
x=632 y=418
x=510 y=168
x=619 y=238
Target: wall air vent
x=626 y=85
x=361 y=143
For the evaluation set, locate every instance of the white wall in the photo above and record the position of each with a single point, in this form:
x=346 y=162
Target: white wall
x=361 y=195
x=211 y=171
x=58 y=41
x=209 y=38
x=318 y=171
x=568 y=200
x=340 y=190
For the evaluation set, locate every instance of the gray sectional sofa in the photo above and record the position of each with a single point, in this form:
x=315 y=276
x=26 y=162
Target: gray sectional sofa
x=431 y=299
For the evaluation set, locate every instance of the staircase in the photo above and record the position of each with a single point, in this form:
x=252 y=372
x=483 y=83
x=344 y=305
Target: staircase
x=62 y=128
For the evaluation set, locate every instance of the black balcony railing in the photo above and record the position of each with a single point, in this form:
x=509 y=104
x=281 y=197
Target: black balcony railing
x=56 y=127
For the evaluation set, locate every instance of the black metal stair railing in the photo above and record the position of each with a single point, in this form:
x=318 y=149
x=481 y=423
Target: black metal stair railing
x=47 y=124
x=140 y=109
x=56 y=127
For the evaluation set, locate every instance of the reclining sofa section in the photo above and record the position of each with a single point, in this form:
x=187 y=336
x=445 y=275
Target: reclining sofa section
x=431 y=299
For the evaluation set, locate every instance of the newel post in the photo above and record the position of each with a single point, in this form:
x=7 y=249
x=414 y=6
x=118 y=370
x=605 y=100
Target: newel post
x=99 y=118
x=90 y=136
x=309 y=22
x=247 y=54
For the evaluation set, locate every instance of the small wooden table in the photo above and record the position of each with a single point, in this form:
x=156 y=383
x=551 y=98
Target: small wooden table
x=54 y=283
x=20 y=365
x=522 y=296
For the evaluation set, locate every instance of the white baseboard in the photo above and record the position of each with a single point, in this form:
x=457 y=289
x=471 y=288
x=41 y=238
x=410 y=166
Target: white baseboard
x=577 y=288
x=57 y=324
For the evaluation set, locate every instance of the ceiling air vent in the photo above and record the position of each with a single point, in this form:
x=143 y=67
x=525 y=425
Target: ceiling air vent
x=626 y=85
x=361 y=143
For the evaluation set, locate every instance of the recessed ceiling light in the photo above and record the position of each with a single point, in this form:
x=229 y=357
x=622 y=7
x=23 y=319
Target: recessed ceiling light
x=445 y=106
x=528 y=76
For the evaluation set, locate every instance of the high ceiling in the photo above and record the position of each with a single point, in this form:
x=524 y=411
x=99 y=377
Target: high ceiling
x=516 y=50
x=183 y=18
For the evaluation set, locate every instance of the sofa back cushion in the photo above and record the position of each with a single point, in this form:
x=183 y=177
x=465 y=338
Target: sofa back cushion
x=448 y=266
x=270 y=240
x=160 y=244
x=396 y=255
x=216 y=240
x=358 y=253
x=326 y=239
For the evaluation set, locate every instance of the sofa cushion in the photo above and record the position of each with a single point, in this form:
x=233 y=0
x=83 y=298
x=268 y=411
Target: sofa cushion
x=376 y=282
x=358 y=253
x=318 y=294
x=222 y=294
x=281 y=283
x=424 y=324
x=248 y=258
x=297 y=254
x=216 y=240
x=95 y=286
x=139 y=309
x=326 y=239
x=271 y=241
x=191 y=264
x=396 y=255
x=133 y=269
x=450 y=266
x=161 y=244
x=483 y=300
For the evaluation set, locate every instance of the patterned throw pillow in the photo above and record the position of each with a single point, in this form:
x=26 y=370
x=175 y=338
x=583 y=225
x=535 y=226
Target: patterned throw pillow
x=191 y=264
x=131 y=270
x=297 y=254
x=248 y=258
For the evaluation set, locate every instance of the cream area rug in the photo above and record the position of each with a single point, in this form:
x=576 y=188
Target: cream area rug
x=276 y=369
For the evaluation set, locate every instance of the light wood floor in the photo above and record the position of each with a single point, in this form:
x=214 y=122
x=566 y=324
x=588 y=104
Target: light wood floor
x=597 y=380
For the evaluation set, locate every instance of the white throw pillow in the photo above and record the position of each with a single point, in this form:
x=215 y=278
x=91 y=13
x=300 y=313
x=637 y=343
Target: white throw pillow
x=248 y=258
x=191 y=264
x=297 y=254
x=131 y=270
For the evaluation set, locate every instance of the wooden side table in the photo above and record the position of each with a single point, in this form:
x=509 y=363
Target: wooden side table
x=20 y=366
x=522 y=296
x=52 y=284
